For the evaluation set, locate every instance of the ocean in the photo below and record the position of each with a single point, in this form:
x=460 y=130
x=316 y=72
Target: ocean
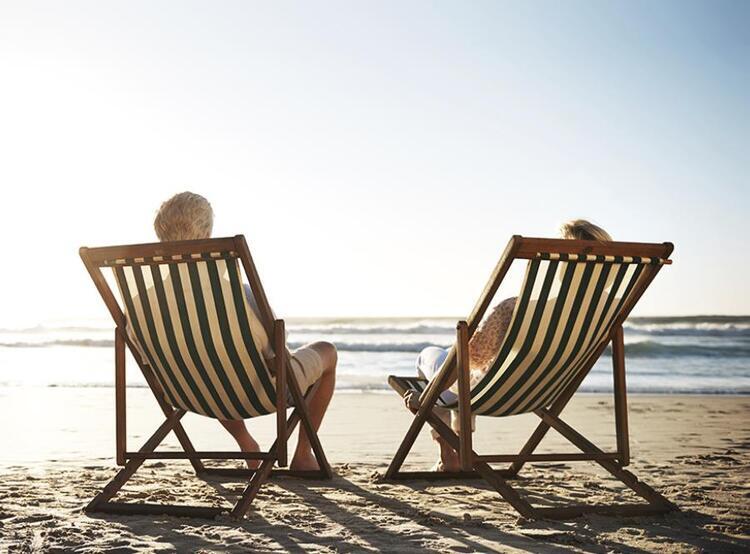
x=664 y=355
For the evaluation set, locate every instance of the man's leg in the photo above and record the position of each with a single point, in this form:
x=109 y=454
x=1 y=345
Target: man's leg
x=304 y=459
x=246 y=442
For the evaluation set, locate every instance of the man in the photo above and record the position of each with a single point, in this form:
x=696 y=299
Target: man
x=189 y=216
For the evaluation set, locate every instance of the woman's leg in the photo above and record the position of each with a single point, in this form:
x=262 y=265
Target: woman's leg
x=428 y=365
x=246 y=442
x=304 y=459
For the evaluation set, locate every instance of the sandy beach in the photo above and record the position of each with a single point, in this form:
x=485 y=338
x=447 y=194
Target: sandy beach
x=539 y=197
x=694 y=449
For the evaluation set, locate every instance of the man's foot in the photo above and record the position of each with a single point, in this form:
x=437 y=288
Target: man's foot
x=304 y=461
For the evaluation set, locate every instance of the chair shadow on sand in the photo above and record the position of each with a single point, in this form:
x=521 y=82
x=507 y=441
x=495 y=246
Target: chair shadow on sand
x=297 y=532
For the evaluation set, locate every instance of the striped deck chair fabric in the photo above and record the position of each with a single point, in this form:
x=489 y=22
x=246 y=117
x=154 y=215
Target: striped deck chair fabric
x=566 y=310
x=191 y=320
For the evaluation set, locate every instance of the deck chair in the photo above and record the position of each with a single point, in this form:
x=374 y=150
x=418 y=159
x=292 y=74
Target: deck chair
x=186 y=320
x=573 y=301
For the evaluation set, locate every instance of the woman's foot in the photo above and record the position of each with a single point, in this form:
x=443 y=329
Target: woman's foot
x=411 y=400
x=448 y=457
x=304 y=461
x=438 y=467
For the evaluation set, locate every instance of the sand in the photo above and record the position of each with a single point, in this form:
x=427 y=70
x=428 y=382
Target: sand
x=693 y=449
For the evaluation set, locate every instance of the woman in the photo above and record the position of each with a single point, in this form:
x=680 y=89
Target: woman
x=484 y=347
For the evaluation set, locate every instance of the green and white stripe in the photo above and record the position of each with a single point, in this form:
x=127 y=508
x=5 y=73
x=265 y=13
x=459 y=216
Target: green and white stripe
x=194 y=327
x=566 y=310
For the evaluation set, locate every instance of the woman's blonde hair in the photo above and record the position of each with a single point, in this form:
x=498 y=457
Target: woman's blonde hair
x=185 y=216
x=580 y=229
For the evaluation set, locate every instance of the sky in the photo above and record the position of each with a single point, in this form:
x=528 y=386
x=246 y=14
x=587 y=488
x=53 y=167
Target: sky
x=377 y=155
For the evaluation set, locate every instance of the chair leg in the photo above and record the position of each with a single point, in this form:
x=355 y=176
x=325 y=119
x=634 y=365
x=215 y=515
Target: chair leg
x=482 y=468
x=101 y=500
x=394 y=472
x=260 y=477
x=406 y=445
x=262 y=474
x=179 y=430
x=301 y=408
x=655 y=499
x=539 y=433
x=621 y=396
x=188 y=447
x=656 y=503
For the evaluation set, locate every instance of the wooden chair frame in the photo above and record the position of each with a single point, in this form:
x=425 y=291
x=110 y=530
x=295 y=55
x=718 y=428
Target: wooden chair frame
x=96 y=258
x=456 y=367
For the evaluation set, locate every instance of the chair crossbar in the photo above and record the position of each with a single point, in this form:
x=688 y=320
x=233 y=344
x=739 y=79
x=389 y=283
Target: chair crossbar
x=244 y=472
x=552 y=457
x=198 y=455
x=601 y=258
x=173 y=259
x=444 y=475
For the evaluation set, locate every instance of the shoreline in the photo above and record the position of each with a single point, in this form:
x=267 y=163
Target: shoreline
x=387 y=390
